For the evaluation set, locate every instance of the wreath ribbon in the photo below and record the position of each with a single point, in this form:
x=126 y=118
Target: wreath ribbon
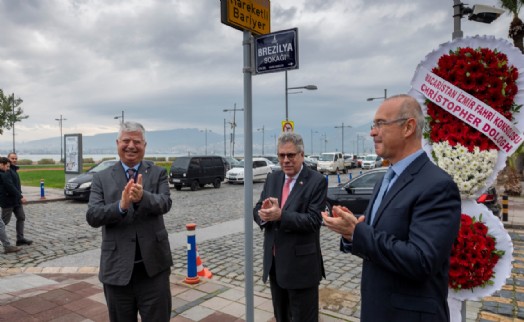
x=468 y=109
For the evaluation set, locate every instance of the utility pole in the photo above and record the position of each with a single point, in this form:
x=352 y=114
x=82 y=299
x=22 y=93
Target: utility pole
x=224 y=137
x=60 y=120
x=342 y=127
x=262 y=129
x=233 y=125
x=13 y=123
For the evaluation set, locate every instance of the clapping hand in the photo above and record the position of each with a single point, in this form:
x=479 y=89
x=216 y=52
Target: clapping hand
x=342 y=222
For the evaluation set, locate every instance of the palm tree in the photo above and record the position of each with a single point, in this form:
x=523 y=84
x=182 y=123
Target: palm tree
x=516 y=27
x=512 y=184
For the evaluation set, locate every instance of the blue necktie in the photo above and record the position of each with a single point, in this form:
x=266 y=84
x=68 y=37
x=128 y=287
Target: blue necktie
x=383 y=188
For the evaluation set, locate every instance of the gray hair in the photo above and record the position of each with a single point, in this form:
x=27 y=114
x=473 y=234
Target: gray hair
x=410 y=108
x=291 y=137
x=131 y=127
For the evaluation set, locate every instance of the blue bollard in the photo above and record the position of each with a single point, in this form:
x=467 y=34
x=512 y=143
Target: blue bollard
x=192 y=276
x=327 y=178
x=42 y=191
x=338 y=177
x=350 y=176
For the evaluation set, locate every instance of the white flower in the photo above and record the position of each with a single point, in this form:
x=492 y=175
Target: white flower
x=469 y=170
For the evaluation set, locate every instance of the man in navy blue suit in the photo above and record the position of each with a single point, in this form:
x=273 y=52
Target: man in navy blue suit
x=289 y=214
x=405 y=239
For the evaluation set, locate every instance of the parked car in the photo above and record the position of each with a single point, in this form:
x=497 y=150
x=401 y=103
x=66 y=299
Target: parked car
x=197 y=171
x=350 y=161
x=371 y=161
x=332 y=162
x=311 y=163
x=230 y=163
x=274 y=160
x=261 y=168
x=360 y=158
x=79 y=187
x=356 y=194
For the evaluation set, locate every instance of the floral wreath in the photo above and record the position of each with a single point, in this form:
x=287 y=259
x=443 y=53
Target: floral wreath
x=462 y=84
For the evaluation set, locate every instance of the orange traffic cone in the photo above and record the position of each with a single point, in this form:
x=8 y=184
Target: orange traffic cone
x=201 y=270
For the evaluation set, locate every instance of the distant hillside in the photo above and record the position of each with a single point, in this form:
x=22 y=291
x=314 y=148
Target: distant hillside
x=192 y=140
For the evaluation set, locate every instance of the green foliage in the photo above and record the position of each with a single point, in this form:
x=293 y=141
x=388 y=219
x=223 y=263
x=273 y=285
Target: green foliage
x=25 y=162
x=10 y=111
x=88 y=160
x=46 y=161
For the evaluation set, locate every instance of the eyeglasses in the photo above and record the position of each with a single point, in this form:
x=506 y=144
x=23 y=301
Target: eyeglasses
x=381 y=123
x=290 y=156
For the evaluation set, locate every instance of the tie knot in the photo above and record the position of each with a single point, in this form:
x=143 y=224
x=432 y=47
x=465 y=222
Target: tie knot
x=131 y=173
x=389 y=174
x=289 y=180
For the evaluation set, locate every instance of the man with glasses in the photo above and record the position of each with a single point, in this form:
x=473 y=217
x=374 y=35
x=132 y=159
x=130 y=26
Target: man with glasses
x=407 y=231
x=289 y=213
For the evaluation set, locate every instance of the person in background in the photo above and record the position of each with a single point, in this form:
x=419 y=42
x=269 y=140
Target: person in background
x=18 y=208
x=129 y=200
x=8 y=197
x=289 y=213
x=407 y=232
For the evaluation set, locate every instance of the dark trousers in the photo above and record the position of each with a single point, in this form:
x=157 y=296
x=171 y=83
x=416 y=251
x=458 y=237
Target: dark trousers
x=297 y=305
x=20 y=219
x=151 y=296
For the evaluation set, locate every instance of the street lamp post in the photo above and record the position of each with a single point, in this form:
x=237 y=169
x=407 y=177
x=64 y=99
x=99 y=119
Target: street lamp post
x=205 y=135
x=479 y=13
x=233 y=125
x=60 y=120
x=312 y=140
x=342 y=127
x=381 y=97
x=120 y=117
x=325 y=141
x=263 y=130
x=224 y=137
x=308 y=87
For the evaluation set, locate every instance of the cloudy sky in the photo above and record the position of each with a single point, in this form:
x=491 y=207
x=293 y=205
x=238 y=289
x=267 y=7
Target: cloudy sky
x=172 y=64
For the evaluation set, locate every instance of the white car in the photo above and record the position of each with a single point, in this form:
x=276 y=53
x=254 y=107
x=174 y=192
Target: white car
x=261 y=168
x=371 y=161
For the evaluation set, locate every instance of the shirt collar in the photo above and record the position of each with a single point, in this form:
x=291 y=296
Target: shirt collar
x=400 y=166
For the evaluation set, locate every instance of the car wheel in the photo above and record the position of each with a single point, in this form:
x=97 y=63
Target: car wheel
x=217 y=183
x=178 y=187
x=194 y=185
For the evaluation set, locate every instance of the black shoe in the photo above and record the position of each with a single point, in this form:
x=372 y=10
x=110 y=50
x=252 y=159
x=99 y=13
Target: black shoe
x=24 y=241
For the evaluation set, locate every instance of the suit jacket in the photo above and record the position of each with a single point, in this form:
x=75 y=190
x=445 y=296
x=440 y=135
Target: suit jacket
x=9 y=194
x=406 y=250
x=296 y=237
x=143 y=224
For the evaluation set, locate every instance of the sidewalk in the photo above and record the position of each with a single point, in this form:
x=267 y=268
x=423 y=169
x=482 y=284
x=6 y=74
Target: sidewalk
x=70 y=290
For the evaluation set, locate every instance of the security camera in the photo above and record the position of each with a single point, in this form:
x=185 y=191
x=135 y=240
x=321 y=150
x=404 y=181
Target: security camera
x=485 y=14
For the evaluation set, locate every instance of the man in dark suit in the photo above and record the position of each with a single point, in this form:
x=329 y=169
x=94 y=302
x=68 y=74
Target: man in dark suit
x=292 y=256
x=128 y=201
x=405 y=239
x=9 y=196
x=17 y=207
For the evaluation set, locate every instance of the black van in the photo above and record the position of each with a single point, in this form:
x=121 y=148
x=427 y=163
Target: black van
x=197 y=171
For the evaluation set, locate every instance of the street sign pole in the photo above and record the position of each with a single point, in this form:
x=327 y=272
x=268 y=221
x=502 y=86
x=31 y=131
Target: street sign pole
x=248 y=174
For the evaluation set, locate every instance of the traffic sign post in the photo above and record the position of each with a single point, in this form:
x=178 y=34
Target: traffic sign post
x=277 y=51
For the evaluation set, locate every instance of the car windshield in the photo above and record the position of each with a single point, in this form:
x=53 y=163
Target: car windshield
x=326 y=157
x=102 y=166
x=180 y=163
x=240 y=164
x=370 y=158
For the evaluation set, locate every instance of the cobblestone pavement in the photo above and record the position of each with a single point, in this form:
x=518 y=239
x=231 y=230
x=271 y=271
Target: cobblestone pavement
x=59 y=229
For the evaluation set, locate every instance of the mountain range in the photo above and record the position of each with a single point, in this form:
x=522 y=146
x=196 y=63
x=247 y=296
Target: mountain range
x=194 y=141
